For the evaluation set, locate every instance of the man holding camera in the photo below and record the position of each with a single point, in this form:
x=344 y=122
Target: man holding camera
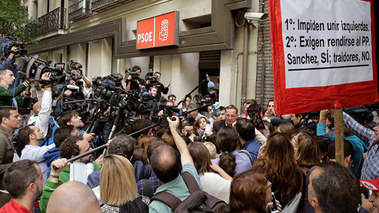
x=80 y=80
x=134 y=82
x=8 y=62
x=154 y=81
x=9 y=97
x=42 y=110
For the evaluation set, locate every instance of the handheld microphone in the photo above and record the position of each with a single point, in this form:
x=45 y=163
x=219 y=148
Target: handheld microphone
x=72 y=87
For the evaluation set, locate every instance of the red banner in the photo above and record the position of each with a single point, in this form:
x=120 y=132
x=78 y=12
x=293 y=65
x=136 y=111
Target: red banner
x=323 y=54
x=158 y=31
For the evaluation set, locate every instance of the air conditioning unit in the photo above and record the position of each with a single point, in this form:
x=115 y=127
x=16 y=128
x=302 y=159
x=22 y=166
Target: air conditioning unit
x=79 y=9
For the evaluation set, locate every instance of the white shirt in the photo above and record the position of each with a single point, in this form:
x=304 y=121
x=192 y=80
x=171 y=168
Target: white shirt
x=32 y=152
x=41 y=121
x=215 y=185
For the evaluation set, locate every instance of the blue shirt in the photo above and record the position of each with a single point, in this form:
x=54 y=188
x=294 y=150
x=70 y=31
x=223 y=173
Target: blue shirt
x=370 y=168
x=252 y=147
x=243 y=162
x=358 y=145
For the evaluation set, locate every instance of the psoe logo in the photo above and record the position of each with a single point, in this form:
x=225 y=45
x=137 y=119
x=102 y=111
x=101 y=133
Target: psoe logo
x=163 y=34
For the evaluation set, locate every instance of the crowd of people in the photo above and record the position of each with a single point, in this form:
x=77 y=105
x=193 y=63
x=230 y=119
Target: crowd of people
x=208 y=159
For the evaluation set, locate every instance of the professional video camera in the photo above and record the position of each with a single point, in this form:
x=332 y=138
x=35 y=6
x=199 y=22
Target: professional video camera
x=33 y=67
x=105 y=89
x=151 y=76
x=6 y=45
x=131 y=73
x=75 y=65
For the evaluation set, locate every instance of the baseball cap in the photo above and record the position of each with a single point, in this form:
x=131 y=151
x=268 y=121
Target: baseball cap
x=371 y=184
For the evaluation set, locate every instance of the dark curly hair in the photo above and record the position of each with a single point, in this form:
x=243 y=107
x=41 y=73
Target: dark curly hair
x=227 y=141
x=69 y=147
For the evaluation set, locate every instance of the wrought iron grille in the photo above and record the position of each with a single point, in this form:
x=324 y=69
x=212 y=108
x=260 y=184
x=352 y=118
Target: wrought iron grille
x=51 y=22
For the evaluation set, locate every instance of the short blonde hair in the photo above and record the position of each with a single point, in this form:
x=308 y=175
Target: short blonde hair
x=212 y=149
x=117 y=181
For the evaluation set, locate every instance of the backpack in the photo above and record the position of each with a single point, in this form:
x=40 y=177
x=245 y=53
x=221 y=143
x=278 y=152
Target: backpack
x=198 y=201
x=49 y=139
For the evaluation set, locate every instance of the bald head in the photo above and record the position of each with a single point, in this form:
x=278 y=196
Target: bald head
x=37 y=107
x=73 y=197
x=166 y=163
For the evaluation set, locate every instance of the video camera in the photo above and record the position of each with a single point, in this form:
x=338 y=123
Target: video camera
x=6 y=45
x=33 y=67
x=75 y=66
x=131 y=73
x=151 y=76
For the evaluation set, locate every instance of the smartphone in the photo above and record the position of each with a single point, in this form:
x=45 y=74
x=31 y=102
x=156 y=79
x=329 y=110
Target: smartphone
x=274 y=207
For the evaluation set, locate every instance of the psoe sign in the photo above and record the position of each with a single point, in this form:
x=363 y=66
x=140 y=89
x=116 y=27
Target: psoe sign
x=158 y=31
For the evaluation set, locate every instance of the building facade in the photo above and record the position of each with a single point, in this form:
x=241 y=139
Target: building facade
x=213 y=38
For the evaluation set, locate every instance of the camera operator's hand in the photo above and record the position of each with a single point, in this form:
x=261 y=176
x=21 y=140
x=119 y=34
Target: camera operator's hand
x=173 y=124
x=56 y=167
x=45 y=80
x=46 y=76
x=88 y=136
x=13 y=52
x=168 y=85
x=129 y=77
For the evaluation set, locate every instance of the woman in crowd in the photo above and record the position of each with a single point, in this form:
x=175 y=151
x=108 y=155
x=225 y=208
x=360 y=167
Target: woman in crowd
x=216 y=184
x=287 y=128
x=118 y=188
x=232 y=160
x=200 y=125
x=278 y=162
x=307 y=151
x=250 y=192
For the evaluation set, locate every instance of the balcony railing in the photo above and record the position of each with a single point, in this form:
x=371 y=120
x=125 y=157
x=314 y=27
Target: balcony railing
x=51 y=22
x=102 y=5
x=79 y=9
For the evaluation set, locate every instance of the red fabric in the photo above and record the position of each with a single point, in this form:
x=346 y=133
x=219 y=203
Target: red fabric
x=13 y=207
x=299 y=100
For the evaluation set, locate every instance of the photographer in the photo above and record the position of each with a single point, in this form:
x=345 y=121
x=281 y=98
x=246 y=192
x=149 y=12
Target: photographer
x=42 y=110
x=8 y=62
x=134 y=82
x=78 y=79
x=150 y=101
x=153 y=80
x=11 y=97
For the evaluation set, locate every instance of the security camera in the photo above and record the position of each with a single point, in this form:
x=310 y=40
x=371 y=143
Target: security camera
x=252 y=16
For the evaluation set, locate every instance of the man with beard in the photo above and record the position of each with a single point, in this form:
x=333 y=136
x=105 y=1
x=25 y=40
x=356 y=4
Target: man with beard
x=370 y=168
x=9 y=121
x=31 y=136
x=23 y=180
x=60 y=169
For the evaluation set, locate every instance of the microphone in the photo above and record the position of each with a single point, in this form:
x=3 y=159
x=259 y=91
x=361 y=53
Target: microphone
x=210 y=84
x=72 y=87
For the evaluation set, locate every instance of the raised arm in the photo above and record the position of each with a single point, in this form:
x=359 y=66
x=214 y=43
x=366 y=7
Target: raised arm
x=185 y=156
x=366 y=134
